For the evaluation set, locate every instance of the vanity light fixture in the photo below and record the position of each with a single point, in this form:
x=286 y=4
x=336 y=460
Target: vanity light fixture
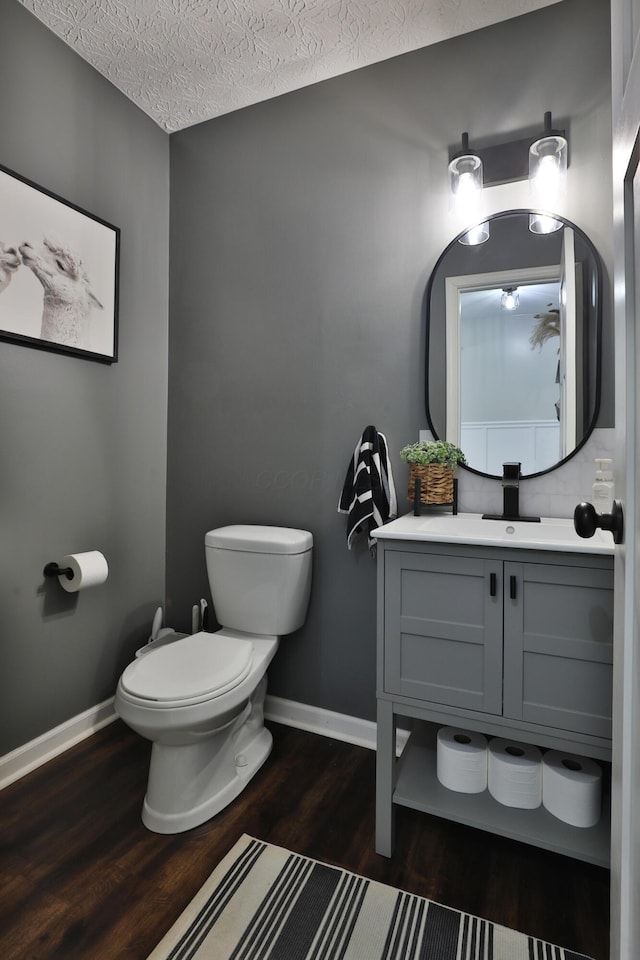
x=543 y=159
x=510 y=299
x=465 y=191
x=547 y=176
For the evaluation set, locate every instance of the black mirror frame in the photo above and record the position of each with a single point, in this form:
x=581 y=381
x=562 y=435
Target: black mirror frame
x=598 y=336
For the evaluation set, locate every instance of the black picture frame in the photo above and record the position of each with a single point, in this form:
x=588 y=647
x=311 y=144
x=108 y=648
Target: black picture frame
x=59 y=273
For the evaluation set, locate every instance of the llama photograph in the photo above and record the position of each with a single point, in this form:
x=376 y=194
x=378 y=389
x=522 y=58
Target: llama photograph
x=58 y=273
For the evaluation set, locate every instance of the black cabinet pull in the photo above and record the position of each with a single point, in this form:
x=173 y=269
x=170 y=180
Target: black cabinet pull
x=493 y=584
x=512 y=587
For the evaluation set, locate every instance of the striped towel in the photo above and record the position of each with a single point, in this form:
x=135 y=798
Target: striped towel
x=368 y=495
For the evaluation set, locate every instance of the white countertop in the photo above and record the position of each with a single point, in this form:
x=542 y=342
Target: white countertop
x=550 y=534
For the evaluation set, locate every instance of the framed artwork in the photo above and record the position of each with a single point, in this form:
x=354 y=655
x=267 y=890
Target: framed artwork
x=58 y=273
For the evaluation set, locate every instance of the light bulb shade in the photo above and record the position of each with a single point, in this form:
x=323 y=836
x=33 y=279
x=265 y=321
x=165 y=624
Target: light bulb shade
x=547 y=171
x=510 y=299
x=543 y=223
x=465 y=183
x=478 y=234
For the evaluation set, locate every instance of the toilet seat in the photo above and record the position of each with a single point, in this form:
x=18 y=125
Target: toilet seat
x=190 y=670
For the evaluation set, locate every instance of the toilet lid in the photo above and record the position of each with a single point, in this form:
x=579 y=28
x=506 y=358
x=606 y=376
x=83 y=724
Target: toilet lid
x=195 y=667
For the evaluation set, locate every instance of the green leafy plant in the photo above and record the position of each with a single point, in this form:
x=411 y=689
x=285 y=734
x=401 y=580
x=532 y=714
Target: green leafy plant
x=433 y=451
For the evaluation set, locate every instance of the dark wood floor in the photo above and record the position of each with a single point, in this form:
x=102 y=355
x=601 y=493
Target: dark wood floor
x=82 y=879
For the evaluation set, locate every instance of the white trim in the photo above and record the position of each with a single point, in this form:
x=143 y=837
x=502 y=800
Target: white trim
x=26 y=758
x=452 y=357
x=338 y=726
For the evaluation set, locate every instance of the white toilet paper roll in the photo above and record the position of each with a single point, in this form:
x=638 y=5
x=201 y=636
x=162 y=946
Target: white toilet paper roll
x=515 y=774
x=462 y=760
x=572 y=788
x=87 y=570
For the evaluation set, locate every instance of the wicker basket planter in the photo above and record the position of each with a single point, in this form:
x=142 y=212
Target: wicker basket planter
x=436 y=482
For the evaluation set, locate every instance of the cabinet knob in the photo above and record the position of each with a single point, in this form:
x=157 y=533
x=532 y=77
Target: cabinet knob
x=586 y=521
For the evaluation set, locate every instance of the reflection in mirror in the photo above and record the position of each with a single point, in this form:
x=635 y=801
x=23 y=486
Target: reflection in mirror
x=518 y=321
x=496 y=338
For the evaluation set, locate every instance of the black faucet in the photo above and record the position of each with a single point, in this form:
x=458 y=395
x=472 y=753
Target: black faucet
x=510 y=495
x=511 y=491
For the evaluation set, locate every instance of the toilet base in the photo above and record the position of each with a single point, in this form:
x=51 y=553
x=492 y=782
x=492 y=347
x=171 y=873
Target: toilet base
x=189 y=784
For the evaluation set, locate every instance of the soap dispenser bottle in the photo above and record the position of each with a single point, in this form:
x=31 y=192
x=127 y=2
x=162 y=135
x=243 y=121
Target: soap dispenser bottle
x=603 y=487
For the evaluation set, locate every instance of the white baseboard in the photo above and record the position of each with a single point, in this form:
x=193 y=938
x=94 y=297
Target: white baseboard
x=24 y=759
x=338 y=726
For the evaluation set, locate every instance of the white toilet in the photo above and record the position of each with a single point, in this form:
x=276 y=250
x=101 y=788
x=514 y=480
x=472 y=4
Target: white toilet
x=200 y=698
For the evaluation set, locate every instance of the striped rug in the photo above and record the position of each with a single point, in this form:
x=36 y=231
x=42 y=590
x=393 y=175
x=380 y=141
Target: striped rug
x=264 y=903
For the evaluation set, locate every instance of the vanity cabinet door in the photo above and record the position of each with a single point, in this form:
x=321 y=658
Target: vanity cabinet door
x=443 y=629
x=558 y=646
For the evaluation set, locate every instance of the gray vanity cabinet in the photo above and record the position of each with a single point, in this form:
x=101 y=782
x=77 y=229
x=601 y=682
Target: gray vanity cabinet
x=558 y=646
x=510 y=642
x=443 y=629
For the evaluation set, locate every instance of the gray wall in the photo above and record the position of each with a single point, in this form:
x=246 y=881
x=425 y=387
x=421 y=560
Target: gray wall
x=303 y=232
x=83 y=444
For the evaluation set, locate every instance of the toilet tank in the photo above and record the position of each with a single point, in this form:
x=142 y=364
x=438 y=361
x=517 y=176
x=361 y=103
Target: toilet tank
x=260 y=577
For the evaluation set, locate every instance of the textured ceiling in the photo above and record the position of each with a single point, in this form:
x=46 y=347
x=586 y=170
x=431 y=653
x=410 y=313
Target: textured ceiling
x=184 y=61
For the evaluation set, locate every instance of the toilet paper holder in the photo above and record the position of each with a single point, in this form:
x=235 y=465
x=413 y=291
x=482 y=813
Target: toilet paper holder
x=53 y=570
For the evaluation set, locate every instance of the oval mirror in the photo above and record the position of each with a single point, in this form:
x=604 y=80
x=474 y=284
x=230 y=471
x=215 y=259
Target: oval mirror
x=513 y=344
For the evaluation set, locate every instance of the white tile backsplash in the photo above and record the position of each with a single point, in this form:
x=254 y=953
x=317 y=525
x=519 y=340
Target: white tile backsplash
x=553 y=495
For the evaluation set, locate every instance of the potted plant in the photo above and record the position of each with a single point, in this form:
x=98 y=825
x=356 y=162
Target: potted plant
x=433 y=462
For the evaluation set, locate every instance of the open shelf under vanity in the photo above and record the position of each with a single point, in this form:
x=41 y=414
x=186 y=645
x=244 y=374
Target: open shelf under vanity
x=417 y=786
